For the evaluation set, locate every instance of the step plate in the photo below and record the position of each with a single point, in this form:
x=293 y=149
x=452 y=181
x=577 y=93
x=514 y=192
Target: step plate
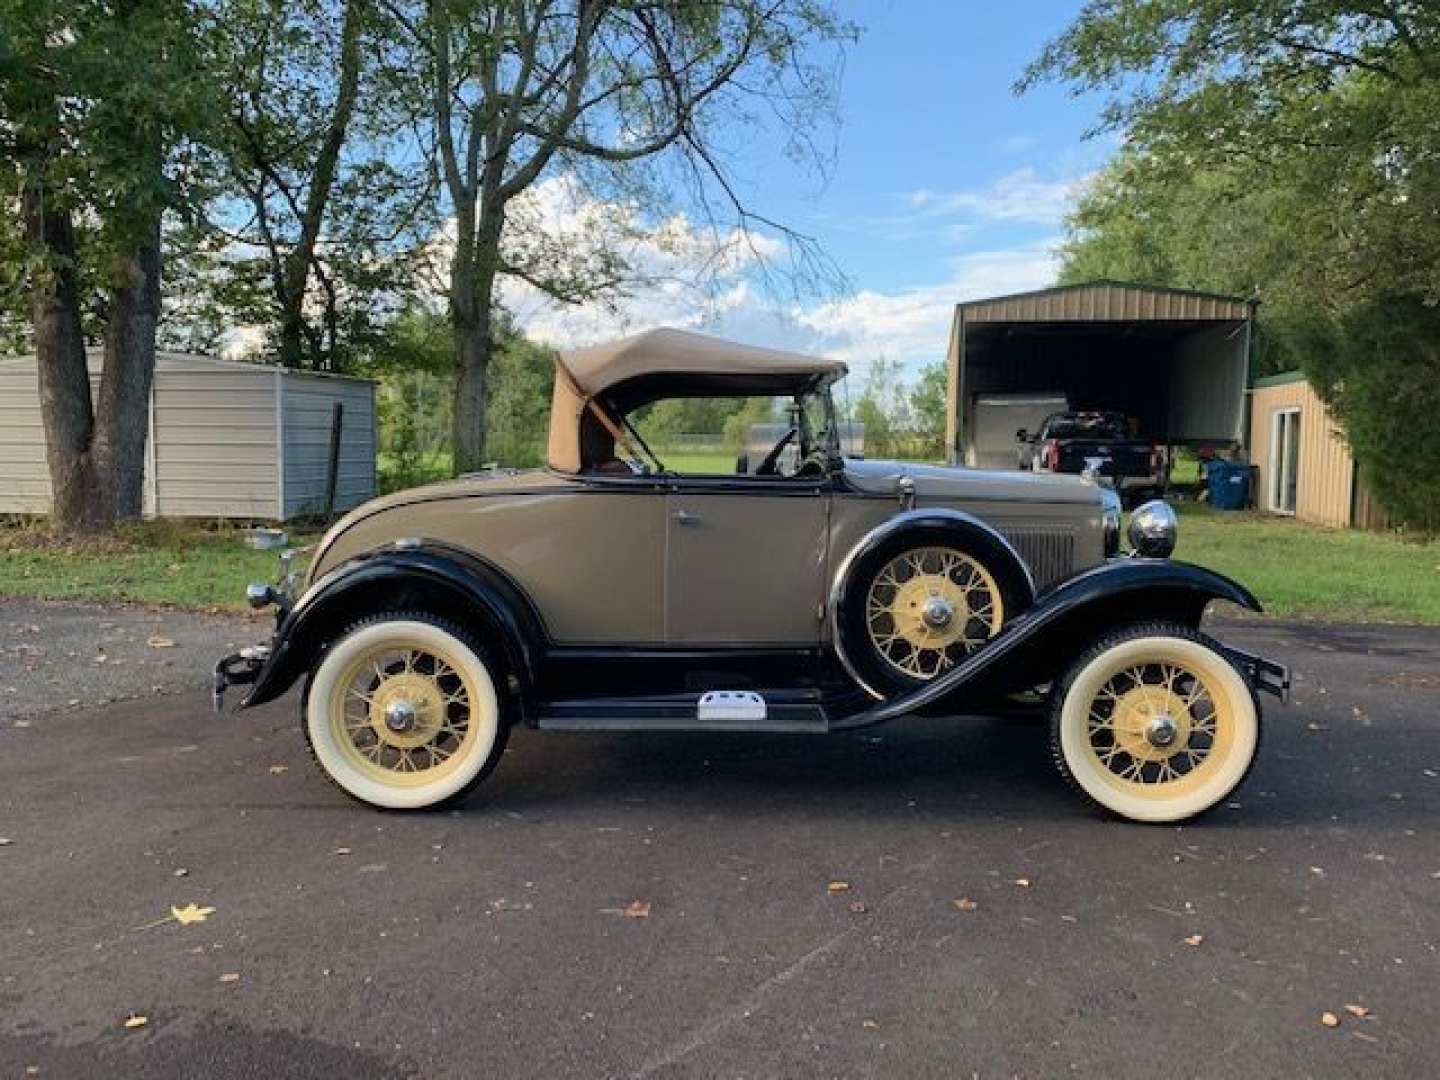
x=730 y=706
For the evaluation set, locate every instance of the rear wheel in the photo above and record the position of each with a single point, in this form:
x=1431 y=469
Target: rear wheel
x=402 y=713
x=1155 y=724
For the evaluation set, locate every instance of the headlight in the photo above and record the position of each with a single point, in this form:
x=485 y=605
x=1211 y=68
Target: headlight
x=1110 y=517
x=1153 y=529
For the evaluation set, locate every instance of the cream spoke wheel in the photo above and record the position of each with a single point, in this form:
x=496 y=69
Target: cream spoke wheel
x=929 y=608
x=1157 y=725
x=402 y=713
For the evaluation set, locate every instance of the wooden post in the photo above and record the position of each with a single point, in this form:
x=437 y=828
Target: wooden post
x=337 y=423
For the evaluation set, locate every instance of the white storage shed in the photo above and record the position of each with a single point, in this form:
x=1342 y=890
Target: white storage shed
x=227 y=439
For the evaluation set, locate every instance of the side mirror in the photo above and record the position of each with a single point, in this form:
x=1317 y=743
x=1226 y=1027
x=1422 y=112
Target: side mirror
x=1022 y=435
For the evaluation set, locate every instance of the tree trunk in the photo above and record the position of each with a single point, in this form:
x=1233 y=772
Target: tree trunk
x=122 y=415
x=295 y=280
x=77 y=504
x=472 y=314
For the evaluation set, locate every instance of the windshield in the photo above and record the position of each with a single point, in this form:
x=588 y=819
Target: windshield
x=771 y=435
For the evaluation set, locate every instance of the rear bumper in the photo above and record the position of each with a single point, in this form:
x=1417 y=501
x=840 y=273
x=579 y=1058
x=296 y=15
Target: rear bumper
x=238 y=669
x=1266 y=675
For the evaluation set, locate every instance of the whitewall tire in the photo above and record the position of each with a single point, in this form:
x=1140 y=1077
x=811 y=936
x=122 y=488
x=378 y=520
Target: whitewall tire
x=1155 y=724
x=402 y=713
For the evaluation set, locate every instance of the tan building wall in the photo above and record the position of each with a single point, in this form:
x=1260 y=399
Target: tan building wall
x=1327 y=489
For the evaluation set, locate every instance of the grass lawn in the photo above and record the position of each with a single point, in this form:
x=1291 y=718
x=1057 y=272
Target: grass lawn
x=1306 y=571
x=1297 y=571
x=160 y=562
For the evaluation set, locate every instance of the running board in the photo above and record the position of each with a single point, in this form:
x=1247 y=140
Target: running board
x=740 y=711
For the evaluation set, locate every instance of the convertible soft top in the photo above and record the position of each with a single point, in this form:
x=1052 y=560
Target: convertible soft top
x=582 y=374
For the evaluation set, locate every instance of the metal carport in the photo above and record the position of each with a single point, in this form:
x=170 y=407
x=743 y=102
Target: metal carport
x=1178 y=361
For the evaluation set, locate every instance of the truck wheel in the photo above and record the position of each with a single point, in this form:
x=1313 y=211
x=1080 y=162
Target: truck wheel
x=918 y=606
x=1155 y=724
x=402 y=712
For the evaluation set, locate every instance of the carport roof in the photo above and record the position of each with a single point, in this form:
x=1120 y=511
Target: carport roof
x=1107 y=301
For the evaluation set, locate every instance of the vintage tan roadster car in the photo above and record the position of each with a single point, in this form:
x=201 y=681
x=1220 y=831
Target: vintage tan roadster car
x=801 y=592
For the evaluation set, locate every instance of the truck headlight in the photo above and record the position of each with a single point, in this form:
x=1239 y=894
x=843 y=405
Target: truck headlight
x=1153 y=529
x=1110 y=518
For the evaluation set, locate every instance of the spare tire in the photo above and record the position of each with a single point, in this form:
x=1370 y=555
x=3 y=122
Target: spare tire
x=917 y=604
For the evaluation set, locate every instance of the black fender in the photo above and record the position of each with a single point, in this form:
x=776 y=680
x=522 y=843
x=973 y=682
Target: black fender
x=1040 y=643
x=427 y=576
x=983 y=539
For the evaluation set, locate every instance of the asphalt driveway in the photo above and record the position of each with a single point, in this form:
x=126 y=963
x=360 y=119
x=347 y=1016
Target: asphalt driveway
x=673 y=906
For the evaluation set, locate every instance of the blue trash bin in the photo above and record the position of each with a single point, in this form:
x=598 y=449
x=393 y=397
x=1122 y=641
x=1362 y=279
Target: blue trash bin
x=1229 y=484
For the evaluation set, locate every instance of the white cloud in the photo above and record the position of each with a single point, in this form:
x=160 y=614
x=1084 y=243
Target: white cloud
x=913 y=325
x=908 y=324
x=1019 y=197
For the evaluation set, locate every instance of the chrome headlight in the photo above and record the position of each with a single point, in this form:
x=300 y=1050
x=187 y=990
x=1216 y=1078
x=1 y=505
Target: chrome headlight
x=292 y=576
x=1153 y=529
x=1110 y=519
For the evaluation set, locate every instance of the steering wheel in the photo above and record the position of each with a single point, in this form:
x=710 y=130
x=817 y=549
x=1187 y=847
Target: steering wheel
x=767 y=467
x=814 y=465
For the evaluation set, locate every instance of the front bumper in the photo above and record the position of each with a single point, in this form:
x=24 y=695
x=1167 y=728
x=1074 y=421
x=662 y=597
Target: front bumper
x=238 y=669
x=1266 y=675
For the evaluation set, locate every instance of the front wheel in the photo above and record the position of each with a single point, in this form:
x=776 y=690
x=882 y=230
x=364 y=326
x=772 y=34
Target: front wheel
x=402 y=713
x=1155 y=724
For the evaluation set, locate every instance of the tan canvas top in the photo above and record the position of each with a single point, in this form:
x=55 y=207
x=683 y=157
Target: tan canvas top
x=667 y=351
x=582 y=373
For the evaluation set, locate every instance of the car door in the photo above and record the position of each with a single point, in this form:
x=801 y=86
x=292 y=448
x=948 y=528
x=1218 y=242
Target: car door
x=746 y=561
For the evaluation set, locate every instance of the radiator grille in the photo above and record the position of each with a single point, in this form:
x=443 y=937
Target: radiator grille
x=1050 y=552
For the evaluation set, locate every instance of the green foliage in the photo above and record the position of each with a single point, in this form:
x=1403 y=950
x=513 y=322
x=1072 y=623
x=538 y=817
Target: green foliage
x=413 y=358
x=902 y=420
x=1379 y=367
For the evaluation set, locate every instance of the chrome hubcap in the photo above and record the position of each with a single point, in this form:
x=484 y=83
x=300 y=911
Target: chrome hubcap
x=1161 y=730
x=400 y=716
x=937 y=612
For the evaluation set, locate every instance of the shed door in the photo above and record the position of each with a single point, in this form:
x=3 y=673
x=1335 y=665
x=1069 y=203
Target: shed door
x=746 y=561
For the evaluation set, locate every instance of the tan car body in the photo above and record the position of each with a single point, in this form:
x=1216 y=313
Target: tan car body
x=709 y=561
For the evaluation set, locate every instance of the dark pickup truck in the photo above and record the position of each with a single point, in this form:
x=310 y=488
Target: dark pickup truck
x=1068 y=442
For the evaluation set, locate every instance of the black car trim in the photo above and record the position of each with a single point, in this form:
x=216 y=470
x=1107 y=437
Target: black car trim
x=1185 y=589
x=431 y=568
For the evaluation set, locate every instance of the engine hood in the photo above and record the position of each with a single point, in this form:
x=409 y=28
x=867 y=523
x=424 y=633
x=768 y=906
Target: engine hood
x=939 y=483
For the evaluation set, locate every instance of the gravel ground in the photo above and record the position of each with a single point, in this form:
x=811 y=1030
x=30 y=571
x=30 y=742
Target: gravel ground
x=63 y=655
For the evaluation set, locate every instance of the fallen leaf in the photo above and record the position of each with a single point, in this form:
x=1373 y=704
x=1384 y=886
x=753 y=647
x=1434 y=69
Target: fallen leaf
x=1329 y=1019
x=966 y=904
x=858 y=907
x=1357 y=1010
x=837 y=887
x=159 y=641
x=133 y=1021
x=637 y=909
x=1023 y=882
x=1194 y=939
x=276 y=770
x=191 y=913
x=230 y=977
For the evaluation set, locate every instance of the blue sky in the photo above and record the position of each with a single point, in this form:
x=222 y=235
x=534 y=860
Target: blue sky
x=945 y=186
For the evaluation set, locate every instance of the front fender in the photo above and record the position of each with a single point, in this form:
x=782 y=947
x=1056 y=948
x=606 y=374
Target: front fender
x=429 y=576
x=1038 y=645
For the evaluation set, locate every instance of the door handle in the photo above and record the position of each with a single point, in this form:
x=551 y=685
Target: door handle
x=684 y=517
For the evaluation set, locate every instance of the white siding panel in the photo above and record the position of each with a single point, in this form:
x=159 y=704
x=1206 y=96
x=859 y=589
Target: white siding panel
x=308 y=415
x=214 y=440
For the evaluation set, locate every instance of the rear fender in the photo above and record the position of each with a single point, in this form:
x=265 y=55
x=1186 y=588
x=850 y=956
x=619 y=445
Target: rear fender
x=1038 y=645
x=429 y=576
